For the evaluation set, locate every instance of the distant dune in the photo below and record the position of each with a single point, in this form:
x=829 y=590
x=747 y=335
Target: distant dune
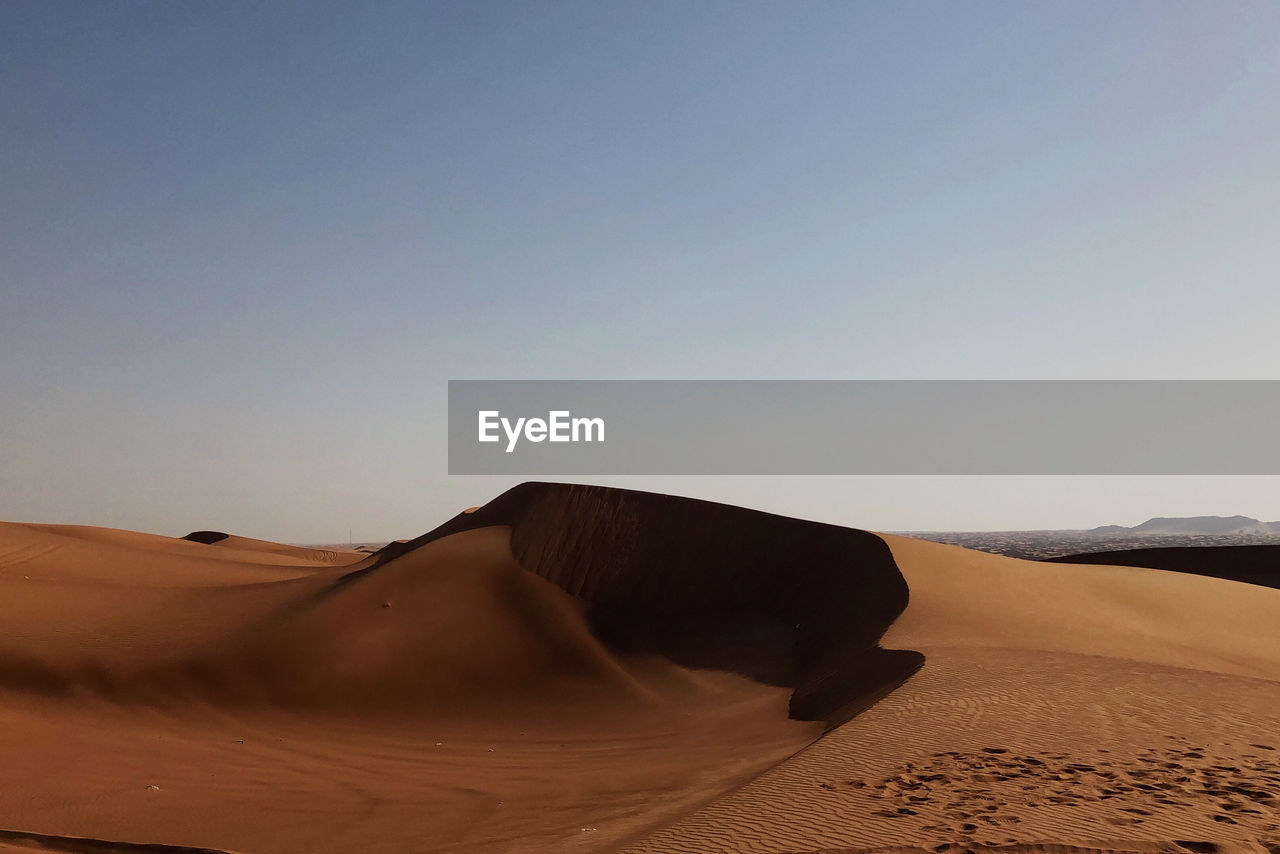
x=572 y=668
x=1256 y=564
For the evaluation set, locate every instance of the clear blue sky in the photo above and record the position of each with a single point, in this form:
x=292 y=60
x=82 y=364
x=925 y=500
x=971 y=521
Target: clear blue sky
x=243 y=246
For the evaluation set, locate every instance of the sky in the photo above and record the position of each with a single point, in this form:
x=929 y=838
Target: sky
x=244 y=246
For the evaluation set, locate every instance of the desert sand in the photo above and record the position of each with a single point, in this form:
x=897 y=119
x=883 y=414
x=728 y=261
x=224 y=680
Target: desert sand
x=583 y=669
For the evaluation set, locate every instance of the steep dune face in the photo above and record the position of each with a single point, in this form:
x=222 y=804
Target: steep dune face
x=782 y=600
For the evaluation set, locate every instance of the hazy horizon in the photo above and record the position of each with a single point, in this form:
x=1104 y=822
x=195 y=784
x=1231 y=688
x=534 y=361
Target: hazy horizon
x=247 y=245
x=888 y=499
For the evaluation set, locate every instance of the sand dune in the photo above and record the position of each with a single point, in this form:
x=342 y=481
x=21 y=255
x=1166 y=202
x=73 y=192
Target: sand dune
x=583 y=669
x=782 y=600
x=549 y=671
x=1252 y=564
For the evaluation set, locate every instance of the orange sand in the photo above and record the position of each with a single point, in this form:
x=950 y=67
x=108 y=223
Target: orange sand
x=532 y=677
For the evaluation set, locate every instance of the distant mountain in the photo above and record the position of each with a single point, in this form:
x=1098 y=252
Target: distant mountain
x=1182 y=525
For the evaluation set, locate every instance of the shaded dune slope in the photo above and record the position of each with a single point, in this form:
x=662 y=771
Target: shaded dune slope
x=783 y=601
x=1251 y=564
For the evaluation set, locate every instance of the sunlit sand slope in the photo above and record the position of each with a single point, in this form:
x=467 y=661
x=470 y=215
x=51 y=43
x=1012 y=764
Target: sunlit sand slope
x=1061 y=708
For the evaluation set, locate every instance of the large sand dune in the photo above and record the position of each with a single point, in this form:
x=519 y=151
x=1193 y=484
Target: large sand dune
x=781 y=600
x=583 y=669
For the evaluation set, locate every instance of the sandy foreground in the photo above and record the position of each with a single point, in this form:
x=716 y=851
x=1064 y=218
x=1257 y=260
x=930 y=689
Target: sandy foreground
x=571 y=670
